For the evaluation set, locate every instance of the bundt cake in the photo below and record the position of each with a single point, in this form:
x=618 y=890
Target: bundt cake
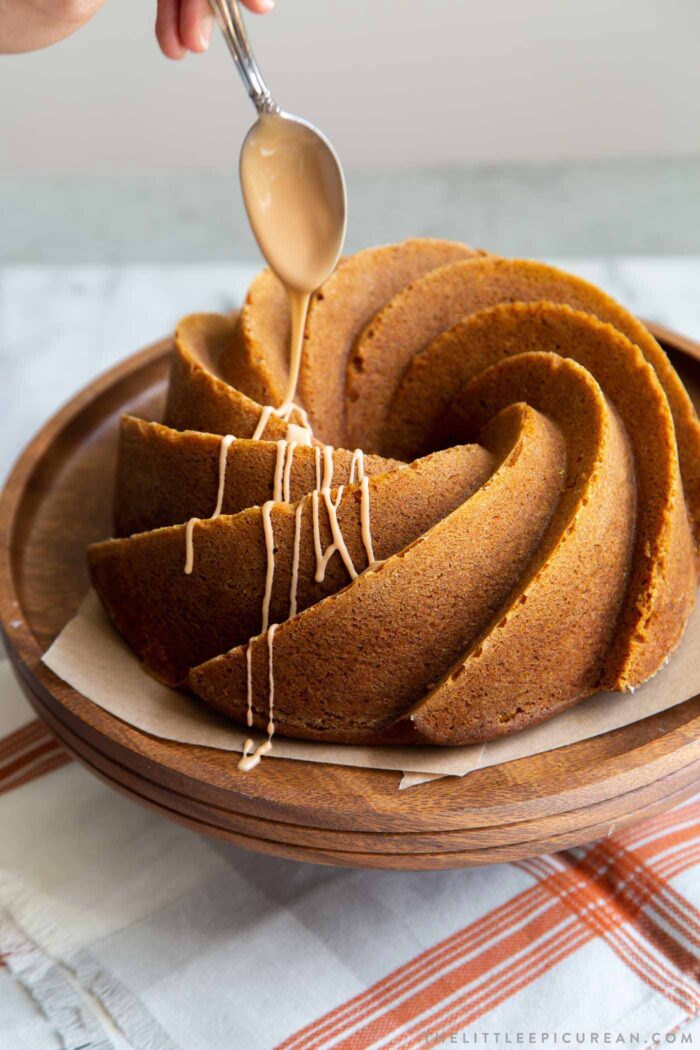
x=484 y=507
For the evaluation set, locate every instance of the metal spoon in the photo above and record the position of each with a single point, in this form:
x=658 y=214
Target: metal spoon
x=293 y=184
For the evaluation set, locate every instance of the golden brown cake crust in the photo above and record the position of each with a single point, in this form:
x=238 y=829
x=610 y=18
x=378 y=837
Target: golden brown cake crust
x=435 y=303
x=523 y=535
x=174 y=621
x=166 y=476
x=256 y=358
x=662 y=578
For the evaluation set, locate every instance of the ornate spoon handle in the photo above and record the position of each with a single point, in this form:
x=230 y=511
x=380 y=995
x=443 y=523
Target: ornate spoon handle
x=231 y=23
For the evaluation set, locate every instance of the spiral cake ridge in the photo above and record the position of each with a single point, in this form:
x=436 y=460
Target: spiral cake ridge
x=485 y=507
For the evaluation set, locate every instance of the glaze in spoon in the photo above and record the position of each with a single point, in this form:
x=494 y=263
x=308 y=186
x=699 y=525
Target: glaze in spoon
x=292 y=181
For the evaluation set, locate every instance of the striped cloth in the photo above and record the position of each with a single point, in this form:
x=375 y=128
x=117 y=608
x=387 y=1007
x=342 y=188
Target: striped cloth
x=120 y=930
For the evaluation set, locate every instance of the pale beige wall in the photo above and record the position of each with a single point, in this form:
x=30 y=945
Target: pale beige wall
x=394 y=82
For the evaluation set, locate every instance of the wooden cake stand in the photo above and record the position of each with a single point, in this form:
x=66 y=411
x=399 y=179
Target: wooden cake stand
x=56 y=501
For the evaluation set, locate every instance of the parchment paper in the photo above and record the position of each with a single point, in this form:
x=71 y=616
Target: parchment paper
x=90 y=656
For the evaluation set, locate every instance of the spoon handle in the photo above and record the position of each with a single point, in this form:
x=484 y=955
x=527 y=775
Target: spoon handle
x=231 y=24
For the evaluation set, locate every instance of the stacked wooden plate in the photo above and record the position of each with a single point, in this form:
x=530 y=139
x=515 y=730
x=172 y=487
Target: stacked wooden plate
x=56 y=502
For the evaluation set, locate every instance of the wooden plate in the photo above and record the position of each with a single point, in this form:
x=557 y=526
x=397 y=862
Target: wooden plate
x=57 y=501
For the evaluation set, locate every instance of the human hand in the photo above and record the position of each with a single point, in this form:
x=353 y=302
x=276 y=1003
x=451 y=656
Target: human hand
x=181 y=25
x=187 y=25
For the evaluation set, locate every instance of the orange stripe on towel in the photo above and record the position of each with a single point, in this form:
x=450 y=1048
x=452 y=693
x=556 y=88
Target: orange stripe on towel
x=612 y=891
x=28 y=734
x=28 y=753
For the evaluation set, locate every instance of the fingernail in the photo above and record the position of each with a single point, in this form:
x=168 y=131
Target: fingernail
x=267 y=5
x=206 y=29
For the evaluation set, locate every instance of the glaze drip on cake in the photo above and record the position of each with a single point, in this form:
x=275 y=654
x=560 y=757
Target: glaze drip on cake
x=250 y=760
x=226 y=442
x=281 y=492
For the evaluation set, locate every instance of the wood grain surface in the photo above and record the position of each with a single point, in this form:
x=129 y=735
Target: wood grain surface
x=58 y=499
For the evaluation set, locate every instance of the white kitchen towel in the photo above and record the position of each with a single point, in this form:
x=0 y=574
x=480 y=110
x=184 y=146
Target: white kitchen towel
x=121 y=930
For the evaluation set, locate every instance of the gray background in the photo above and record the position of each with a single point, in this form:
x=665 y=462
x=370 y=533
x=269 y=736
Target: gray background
x=531 y=128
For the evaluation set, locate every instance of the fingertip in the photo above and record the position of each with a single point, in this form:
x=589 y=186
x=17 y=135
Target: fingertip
x=196 y=35
x=175 y=52
x=206 y=30
x=196 y=25
x=167 y=33
x=260 y=7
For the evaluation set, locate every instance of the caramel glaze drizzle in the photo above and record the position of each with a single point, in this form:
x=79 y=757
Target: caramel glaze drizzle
x=226 y=442
x=297 y=434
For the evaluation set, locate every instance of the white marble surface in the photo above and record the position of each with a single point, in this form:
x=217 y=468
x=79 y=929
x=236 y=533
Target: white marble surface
x=61 y=326
x=598 y=208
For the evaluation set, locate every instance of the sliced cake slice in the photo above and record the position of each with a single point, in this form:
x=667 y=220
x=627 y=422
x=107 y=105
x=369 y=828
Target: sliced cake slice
x=245 y=571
